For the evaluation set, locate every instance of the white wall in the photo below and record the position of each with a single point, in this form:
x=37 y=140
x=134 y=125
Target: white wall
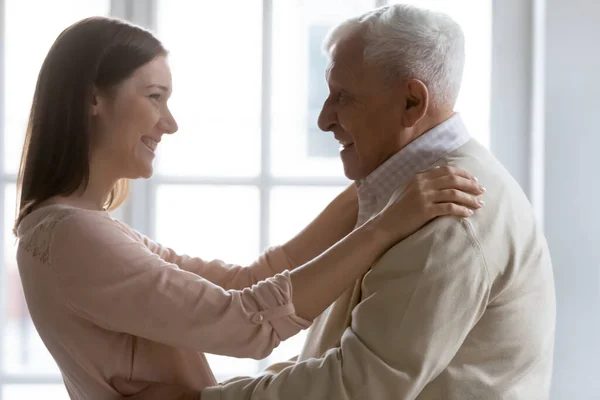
x=511 y=89
x=544 y=124
x=572 y=190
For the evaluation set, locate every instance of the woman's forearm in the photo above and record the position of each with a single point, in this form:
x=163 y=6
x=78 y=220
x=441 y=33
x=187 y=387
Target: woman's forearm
x=331 y=225
x=321 y=281
x=440 y=191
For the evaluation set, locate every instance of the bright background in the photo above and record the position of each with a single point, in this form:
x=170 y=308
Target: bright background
x=250 y=166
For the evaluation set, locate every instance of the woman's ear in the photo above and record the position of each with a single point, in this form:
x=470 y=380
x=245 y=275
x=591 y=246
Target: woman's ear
x=417 y=102
x=95 y=106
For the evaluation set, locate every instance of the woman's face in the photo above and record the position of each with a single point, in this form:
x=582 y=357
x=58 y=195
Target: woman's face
x=130 y=119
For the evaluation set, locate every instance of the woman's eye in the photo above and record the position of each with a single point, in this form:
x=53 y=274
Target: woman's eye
x=155 y=96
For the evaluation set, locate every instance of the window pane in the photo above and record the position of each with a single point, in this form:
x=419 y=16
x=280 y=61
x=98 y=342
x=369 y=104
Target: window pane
x=298 y=147
x=212 y=222
x=119 y=213
x=31 y=26
x=209 y=221
x=217 y=87
x=475 y=18
x=292 y=208
x=46 y=392
x=229 y=367
x=24 y=352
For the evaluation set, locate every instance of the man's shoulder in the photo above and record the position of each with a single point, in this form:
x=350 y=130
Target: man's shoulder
x=491 y=173
x=498 y=238
x=506 y=226
x=507 y=214
x=442 y=241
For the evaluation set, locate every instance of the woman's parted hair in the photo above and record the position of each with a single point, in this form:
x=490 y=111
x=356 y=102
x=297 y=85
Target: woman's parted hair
x=94 y=52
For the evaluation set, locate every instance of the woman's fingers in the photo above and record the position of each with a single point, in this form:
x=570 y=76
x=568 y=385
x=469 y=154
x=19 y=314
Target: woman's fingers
x=449 y=178
x=456 y=196
x=434 y=193
x=442 y=209
x=446 y=170
x=447 y=191
x=456 y=182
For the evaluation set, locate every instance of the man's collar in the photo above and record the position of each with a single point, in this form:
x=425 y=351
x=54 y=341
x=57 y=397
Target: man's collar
x=415 y=157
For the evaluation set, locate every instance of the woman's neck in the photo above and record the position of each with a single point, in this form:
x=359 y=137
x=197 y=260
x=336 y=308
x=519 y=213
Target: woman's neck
x=79 y=199
x=93 y=196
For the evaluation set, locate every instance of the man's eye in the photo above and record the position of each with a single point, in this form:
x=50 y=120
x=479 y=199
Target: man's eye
x=155 y=96
x=341 y=97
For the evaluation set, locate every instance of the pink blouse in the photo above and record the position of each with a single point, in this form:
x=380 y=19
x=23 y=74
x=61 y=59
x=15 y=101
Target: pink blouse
x=109 y=302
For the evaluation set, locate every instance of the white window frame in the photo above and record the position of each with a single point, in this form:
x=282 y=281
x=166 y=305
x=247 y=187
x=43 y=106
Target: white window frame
x=516 y=126
x=5 y=181
x=140 y=213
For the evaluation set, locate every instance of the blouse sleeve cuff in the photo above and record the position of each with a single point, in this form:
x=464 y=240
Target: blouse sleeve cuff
x=274 y=297
x=273 y=261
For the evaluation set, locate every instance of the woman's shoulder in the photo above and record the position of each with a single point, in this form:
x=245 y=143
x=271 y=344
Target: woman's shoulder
x=45 y=225
x=46 y=218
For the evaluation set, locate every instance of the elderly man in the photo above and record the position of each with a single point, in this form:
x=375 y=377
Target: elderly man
x=464 y=308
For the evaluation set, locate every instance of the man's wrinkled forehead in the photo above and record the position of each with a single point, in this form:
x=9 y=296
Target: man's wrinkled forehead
x=345 y=58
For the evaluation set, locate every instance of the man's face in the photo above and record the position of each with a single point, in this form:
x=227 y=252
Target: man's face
x=363 y=112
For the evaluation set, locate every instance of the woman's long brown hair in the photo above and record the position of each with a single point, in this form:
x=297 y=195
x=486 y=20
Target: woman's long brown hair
x=94 y=52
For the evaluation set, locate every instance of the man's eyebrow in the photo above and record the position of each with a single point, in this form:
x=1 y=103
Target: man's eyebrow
x=161 y=87
x=328 y=70
x=335 y=81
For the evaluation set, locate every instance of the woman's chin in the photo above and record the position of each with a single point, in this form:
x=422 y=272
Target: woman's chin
x=147 y=174
x=143 y=171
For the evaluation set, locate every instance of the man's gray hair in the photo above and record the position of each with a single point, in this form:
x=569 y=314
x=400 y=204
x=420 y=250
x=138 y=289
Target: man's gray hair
x=412 y=43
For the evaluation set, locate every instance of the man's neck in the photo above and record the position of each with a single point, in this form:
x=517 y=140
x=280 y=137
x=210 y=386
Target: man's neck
x=445 y=135
x=431 y=120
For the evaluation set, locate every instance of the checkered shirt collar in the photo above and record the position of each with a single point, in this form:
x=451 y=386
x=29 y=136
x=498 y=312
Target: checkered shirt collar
x=415 y=157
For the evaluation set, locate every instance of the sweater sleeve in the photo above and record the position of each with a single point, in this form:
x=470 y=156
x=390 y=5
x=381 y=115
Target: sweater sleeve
x=228 y=276
x=113 y=280
x=419 y=303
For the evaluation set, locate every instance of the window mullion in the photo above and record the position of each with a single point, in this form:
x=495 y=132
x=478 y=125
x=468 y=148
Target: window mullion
x=138 y=211
x=265 y=136
x=118 y=8
x=2 y=200
x=142 y=12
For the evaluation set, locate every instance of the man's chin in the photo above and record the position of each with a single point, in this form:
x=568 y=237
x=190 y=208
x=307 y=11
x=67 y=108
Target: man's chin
x=353 y=173
x=353 y=168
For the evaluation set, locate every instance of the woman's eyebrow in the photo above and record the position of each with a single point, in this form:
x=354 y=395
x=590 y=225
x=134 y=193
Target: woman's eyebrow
x=161 y=87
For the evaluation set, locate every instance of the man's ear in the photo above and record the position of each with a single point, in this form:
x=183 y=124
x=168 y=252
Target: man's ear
x=416 y=102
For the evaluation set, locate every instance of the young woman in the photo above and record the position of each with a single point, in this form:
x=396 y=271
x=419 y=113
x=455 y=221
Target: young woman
x=109 y=302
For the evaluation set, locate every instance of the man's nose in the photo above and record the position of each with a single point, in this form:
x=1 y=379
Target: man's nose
x=326 y=118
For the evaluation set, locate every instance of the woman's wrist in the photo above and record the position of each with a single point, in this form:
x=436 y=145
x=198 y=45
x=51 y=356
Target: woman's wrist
x=379 y=232
x=335 y=222
x=345 y=207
